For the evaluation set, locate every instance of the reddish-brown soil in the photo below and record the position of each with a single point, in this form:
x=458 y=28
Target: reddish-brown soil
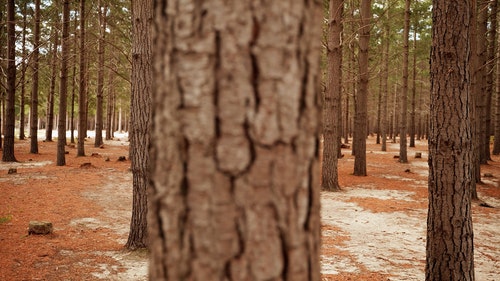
x=90 y=208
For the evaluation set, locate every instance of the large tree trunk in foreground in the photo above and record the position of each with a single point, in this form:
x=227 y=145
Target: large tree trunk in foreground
x=450 y=253
x=234 y=141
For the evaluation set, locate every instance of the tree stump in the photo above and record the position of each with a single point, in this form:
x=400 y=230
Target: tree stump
x=40 y=227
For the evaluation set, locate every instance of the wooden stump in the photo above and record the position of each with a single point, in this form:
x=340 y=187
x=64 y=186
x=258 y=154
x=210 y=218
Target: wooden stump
x=40 y=227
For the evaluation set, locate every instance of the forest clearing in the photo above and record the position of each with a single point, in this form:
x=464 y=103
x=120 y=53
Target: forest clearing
x=374 y=229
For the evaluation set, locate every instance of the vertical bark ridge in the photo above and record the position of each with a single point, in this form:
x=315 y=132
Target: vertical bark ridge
x=234 y=88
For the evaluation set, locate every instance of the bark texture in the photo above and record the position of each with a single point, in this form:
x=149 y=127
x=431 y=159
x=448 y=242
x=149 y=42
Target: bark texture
x=103 y=8
x=53 y=80
x=140 y=119
x=82 y=96
x=34 y=90
x=331 y=102
x=8 y=145
x=63 y=94
x=449 y=223
x=234 y=141
x=496 y=145
x=361 y=117
x=384 y=82
x=403 y=155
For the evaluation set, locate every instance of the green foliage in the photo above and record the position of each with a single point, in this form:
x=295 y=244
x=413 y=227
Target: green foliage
x=5 y=218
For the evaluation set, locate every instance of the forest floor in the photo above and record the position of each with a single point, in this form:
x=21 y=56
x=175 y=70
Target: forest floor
x=374 y=229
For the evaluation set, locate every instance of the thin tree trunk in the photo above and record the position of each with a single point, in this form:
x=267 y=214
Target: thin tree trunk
x=24 y=66
x=100 y=75
x=403 y=155
x=474 y=84
x=34 y=90
x=450 y=254
x=496 y=144
x=8 y=147
x=413 y=91
x=73 y=81
x=109 y=107
x=52 y=89
x=384 y=81
x=63 y=95
x=361 y=117
x=3 y=64
x=482 y=53
x=82 y=97
x=379 y=110
x=490 y=67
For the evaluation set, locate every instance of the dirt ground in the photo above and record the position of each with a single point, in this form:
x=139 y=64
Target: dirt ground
x=374 y=229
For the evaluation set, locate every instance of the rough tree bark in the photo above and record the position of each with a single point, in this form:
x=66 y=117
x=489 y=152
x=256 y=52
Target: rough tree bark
x=450 y=253
x=8 y=145
x=63 y=88
x=361 y=117
x=24 y=66
x=103 y=8
x=34 y=90
x=413 y=92
x=384 y=81
x=82 y=97
x=496 y=144
x=140 y=119
x=331 y=102
x=53 y=77
x=403 y=155
x=235 y=122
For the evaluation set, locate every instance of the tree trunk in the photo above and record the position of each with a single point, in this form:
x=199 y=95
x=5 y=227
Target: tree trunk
x=496 y=144
x=333 y=93
x=361 y=117
x=384 y=80
x=490 y=52
x=34 y=90
x=24 y=66
x=403 y=155
x=63 y=95
x=82 y=97
x=52 y=89
x=3 y=63
x=73 y=81
x=482 y=87
x=10 y=118
x=413 y=91
x=140 y=119
x=449 y=223
x=110 y=107
x=234 y=141
x=100 y=74
x=474 y=101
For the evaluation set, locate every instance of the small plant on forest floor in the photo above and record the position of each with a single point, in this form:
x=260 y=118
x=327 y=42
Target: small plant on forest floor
x=5 y=218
